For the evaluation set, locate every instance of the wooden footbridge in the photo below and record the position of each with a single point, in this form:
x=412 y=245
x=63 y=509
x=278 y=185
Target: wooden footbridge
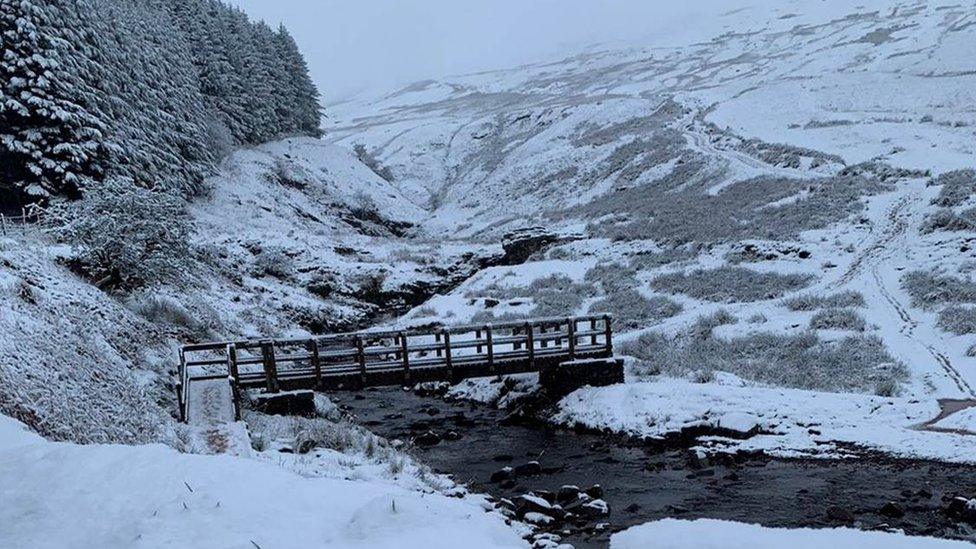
x=386 y=358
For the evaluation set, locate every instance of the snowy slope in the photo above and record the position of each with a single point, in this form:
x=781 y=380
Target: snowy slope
x=55 y=495
x=720 y=534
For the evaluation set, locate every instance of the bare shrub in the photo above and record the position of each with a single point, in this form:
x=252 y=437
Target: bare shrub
x=730 y=284
x=928 y=289
x=948 y=220
x=757 y=318
x=668 y=256
x=702 y=328
x=804 y=361
x=273 y=261
x=631 y=310
x=958 y=320
x=837 y=319
x=846 y=299
x=164 y=310
x=125 y=235
x=957 y=186
x=555 y=295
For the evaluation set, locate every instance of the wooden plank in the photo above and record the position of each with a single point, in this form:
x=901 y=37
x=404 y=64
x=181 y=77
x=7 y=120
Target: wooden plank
x=447 y=356
x=571 y=337
x=270 y=366
x=233 y=376
x=405 y=354
x=490 y=345
x=316 y=360
x=361 y=358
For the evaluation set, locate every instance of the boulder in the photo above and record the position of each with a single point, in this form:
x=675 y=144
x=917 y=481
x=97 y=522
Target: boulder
x=528 y=469
x=505 y=473
x=285 y=403
x=429 y=438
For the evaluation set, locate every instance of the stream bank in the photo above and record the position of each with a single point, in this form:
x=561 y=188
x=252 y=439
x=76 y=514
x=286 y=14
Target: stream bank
x=643 y=482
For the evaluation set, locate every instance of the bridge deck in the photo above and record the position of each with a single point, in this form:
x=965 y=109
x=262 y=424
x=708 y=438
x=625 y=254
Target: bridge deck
x=374 y=358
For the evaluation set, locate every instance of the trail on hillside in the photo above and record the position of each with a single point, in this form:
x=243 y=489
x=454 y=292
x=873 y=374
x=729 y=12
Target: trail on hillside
x=887 y=252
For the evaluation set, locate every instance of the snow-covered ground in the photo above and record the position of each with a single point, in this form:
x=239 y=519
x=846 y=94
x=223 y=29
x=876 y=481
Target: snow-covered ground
x=780 y=422
x=58 y=495
x=720 y=534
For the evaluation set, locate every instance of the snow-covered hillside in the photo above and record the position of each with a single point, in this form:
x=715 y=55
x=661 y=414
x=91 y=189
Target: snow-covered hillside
x=798 y=140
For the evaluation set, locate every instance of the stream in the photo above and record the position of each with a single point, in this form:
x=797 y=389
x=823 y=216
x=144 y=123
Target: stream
x=643 y=482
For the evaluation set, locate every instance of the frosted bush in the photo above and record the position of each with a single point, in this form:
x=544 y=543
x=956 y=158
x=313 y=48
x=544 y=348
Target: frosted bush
x=928 y=289
x=948 y=220
x=274 y=262
x=837 y=319
x=804 y=361
x=631 y=310
x=730 y=284
x=844 y=299
x=957 y=186
x=958 y=320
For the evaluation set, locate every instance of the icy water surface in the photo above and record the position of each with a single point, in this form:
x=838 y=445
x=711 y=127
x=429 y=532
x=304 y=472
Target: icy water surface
x=643 y=483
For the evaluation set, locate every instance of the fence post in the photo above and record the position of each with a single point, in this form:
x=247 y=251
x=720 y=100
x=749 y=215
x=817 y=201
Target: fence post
x=593 y=329
x=530 y=344
x=543 y=342
x=437 y=339
x=313 y=350
x=405 y=356
x=180 y=386
x=571 y=335
x=361 y=359
x=232 y=376
x=447 y=356
x=270 y=365
x=477 y=336
x=491 y=348
x=607 y=334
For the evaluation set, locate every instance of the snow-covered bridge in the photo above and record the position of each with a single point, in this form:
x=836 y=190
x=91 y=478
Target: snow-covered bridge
x=381 y=358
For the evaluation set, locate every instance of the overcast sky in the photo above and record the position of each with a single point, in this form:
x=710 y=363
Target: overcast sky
x=356 y=46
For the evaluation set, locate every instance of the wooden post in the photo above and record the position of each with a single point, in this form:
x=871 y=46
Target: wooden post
x=543 y=342
x=558 y=328
x=571 y=336
x=593 y=329
x=232 y=377
x=447 y=356
x=477 y=335
x=437 y=339
x=270 y=366
x=361 y=358
x=313 y=351
x=607 y=334
x=405 y=356
x=516 y=332
x=180 y=388
x=491 y=348
x=530 y=344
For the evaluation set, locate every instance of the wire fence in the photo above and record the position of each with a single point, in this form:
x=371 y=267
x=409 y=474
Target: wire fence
x=29 y=218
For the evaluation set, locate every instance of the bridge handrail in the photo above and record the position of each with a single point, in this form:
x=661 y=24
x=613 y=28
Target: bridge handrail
x=371 y=351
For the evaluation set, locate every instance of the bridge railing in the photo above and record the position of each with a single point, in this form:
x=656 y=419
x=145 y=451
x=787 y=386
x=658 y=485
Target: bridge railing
x=270 y=363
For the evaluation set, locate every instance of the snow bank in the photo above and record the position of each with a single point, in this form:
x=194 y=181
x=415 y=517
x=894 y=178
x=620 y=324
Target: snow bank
x=716 y=534
x=792 y=422
x=66 y=495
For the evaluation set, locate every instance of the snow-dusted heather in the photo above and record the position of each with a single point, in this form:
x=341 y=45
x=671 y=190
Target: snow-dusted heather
x=721 y=534
x=781 y=422
x=159 y=497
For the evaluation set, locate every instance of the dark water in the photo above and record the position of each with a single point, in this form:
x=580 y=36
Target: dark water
x=643 y=483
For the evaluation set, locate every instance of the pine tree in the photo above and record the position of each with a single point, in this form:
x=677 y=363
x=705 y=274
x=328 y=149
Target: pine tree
x=302 y=96
x=49 y=142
